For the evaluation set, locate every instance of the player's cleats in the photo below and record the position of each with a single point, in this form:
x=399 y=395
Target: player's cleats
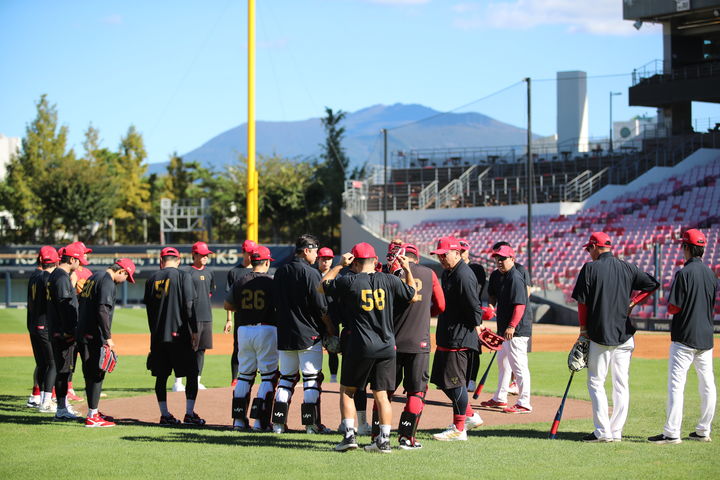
x=66 y=413
x=473 y=422
x=364 y=429
x=72 y=397
x=699 y=438
x=97 y=421
x=108 y=418
x=380 y=445
x=48 y=407
x=513 y=388
x=178 y=386
x=409 y=444
x=278 y=428
x=349 y=442
x=517 y=409
x=318 y=429
x=662 y=439
x=169 y=420
x=33 y=401
x=193 y=419
x=451 y=434
x=591 y=438
x=493 y=404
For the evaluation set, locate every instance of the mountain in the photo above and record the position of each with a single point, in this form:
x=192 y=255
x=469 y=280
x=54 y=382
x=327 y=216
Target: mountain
x=409 y=127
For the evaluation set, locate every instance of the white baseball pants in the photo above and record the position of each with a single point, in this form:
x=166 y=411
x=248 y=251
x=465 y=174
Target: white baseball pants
x=513 y=358
x=308 y=362
x=681 y=357
x=602 y=358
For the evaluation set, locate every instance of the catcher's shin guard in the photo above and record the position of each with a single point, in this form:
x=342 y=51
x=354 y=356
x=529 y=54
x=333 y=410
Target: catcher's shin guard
x=239 y=408
x=280 y=413
x=261 y=408
x=310 y=413
x=408 y=424
x=375 y=424
x=240 y=403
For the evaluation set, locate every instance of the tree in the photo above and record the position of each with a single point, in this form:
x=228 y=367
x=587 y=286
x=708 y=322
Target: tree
x=43 y=150
x=134 y=191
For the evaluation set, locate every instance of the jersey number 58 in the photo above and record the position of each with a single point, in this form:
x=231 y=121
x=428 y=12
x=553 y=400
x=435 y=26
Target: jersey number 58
x=372 y=299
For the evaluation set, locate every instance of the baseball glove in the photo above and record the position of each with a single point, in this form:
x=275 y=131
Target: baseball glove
x=577 y=358
x=491 y=340
x=108 y=359
x=332 y=344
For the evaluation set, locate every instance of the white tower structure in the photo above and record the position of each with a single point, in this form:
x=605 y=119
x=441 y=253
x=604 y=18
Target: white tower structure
x=9 y=146
x=572 y=112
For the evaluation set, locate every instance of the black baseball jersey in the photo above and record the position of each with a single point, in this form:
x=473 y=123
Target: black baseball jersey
x=494 y=279
x=512 y=290
x=37 y=300
x=605 y=286
x=204 y=283
x=169 y=297
x=62 y=306
x=235 y=274
x=97 y=305
x=367 y=301
x=693 y=290
x=252 y=298
x=299 y=306
x=480 y=275
x=456 y=325
x=412 y=324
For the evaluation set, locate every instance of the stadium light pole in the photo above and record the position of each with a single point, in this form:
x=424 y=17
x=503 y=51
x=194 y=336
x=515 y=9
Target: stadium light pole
x=530 y=182
x=612 y=94
x=252 y=190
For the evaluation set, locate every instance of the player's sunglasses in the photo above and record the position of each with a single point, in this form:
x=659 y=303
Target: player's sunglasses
x=501 y=259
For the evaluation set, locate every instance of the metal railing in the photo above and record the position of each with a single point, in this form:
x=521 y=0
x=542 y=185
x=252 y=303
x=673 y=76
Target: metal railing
x=428 y=196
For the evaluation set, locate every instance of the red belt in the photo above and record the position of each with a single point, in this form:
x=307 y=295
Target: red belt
x=443 y=349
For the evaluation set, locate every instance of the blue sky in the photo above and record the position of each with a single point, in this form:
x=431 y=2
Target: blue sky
x=177 y=70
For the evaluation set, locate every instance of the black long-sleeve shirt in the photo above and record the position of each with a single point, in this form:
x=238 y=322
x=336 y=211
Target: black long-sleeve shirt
x=62 y=312
x=97 y=305
x=169 y=297
x=456 y=325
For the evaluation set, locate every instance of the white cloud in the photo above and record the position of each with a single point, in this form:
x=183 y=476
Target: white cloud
x=114 y=19
x=600 y=17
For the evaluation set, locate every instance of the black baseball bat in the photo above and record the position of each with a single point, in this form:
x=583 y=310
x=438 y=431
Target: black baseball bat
x=558 y=415
x=484 y=377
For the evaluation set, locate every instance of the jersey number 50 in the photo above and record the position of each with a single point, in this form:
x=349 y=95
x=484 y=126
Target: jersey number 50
x=372 y=299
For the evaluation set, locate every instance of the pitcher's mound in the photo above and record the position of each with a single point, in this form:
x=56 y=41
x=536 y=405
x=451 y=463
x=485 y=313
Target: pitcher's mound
x=214 y=405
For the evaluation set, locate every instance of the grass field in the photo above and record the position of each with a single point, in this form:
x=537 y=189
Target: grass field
x=33 y=444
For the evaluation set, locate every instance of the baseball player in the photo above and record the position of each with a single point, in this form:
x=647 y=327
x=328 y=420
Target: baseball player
x=79 y=277
x=62 y=317
x=324 y=263
x=691 y=302
x=300 y=317
x=515 y=324
x=604 y=318
x=479 y=271
x=204 y=282
x=169 y=298
x=37 y=325
x=97 y=305
x=457 y=333
x=251 y=298
x=412 y=339
x=236 y=273
x=492 y=284
x=368 y=299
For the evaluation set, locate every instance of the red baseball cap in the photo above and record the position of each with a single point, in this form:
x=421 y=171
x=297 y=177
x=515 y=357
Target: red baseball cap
x=410 y=248
x=169 y=252
x=48 y=254
x=504 y=251
x=261 y=253
x=201 y=248
x=85 y=251
x=249 y=246
x=601 y=239
x=694 y=237
x=445 y=244
x=363 y=250
x=75 y=251
x=128 y=266
x=464 y=245
x=325 y=252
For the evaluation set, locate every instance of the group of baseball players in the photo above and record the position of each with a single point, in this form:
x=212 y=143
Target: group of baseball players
x=70 y=312
x=377 y=316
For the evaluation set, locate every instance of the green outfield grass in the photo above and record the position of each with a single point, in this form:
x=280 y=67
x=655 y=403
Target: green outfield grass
x=31 y=442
